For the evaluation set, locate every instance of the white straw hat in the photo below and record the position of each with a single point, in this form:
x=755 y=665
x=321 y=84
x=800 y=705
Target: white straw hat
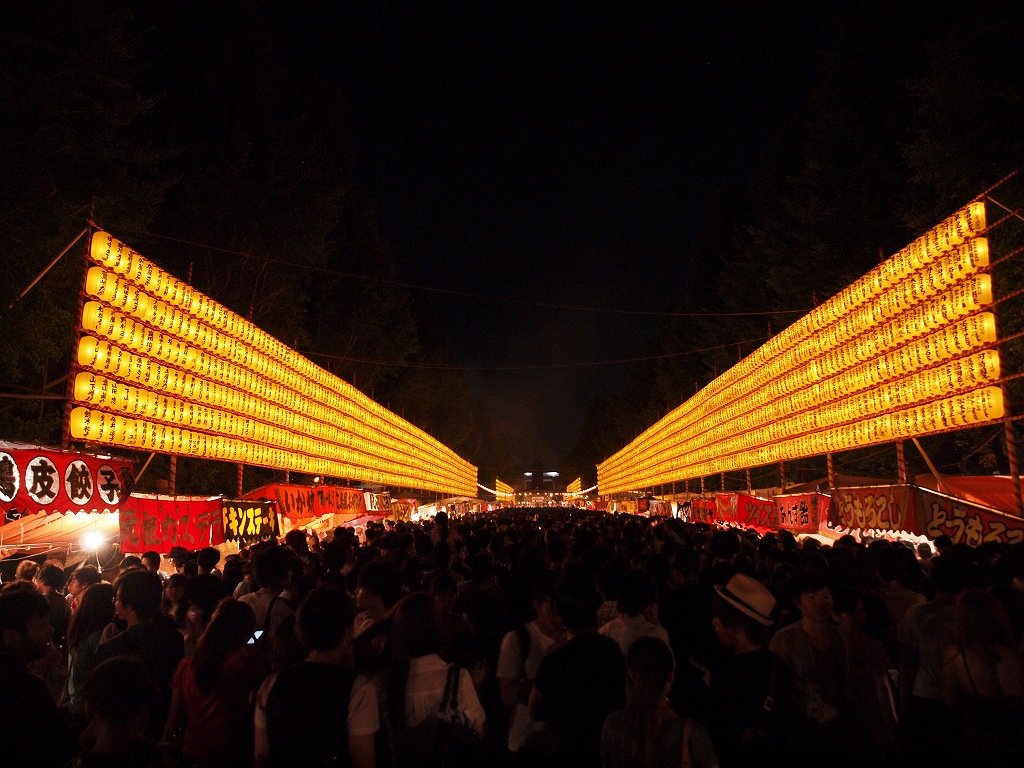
x=750 y=596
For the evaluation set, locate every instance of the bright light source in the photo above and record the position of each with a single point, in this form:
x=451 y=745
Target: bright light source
x=92 y=541
x=528 y=474
x=551 y=474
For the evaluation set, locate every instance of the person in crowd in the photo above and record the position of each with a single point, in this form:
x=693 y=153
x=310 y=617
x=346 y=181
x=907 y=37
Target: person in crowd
x=871 y=693
x=32 y=729
x=608 y=577
x=26 y=571
x=894 y=563
x=179 y=557
x=379 y=586
x=412 y=678
x=151 y=562
x=247 y=584
x=212 y=690
x=50 y=583
x=638 y=611
x=983 y=683
x=647 y=733
x=206 y=560
x=461 y=646
x=740 y=678
x=271 y=566
x=318 y=712
x=578 y=685
x=174 y=602
x=925 y=633
x=232 y=573
x=519 y=657
x=205 y=590
x=78 y=582
x=146 y=637
x=84 y=632
x=810 y=697
x=121 y=699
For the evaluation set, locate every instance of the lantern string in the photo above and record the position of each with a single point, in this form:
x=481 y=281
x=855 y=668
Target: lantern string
x=1005 y=257
x=984 y=194
x=1012 y=212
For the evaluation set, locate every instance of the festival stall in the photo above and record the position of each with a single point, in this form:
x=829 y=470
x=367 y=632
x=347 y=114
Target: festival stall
x=51 y=498
x=321 y=508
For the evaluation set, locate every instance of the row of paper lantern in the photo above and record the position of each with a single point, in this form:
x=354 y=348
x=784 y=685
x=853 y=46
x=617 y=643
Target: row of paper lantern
x=109 y=395
x=824 y=381
x=213 y=320
x=243 y=389
x=257 y=350
x=968 y=409
x=114 y=429
x=829 y=357
x=967 y=223
x=771 y=423
x=227 y=410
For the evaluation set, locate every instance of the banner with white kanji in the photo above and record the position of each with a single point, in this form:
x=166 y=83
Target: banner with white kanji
x=39 y=479
x=157 y=523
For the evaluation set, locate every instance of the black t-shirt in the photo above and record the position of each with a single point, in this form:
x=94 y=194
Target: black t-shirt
x=307 y=715
x=32 y=729
x=582 y=683
x=739 y=685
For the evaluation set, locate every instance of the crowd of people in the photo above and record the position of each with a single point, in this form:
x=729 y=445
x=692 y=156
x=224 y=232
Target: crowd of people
x=522 y=637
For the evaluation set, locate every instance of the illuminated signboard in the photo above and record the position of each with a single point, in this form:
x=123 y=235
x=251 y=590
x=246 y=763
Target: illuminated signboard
x=164 y=368
x=902 y=352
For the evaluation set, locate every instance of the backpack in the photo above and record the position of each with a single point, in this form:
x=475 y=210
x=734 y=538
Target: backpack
x=523 y=633
x=445 y=739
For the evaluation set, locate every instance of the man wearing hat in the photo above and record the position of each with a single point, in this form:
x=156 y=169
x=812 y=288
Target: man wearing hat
x=740 y=680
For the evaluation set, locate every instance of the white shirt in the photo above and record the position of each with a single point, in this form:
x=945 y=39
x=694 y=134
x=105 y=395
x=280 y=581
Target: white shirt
x=427 y=678
x=260 y=602
x=625 y=629
x=511 y=665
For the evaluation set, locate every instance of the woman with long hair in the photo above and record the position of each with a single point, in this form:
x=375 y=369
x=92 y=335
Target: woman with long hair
x=648 y=729
x=95 y=611
x=983 y=681
x=211 y=701
x=413 y=679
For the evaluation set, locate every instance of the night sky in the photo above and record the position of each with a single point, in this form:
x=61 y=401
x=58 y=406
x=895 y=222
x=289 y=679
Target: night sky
x=563 y=154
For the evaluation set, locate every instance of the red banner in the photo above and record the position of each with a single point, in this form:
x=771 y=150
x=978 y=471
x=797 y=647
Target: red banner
x=802 y=512
x=880 y=508
x=404 y=509
x=965 y=522
x=697 y=510
x=249 y=520
x=35 y=479
x=302 y=502
x=748 y=511
x=160 y=522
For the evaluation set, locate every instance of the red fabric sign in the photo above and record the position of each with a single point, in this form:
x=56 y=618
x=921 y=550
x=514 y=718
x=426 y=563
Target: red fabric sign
x=802 y=512
x=160 y=522
x=880 y=508
x=700 y=510
x=302 y=502
x=746 y=510
x=35 y=479
x=964 y=522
